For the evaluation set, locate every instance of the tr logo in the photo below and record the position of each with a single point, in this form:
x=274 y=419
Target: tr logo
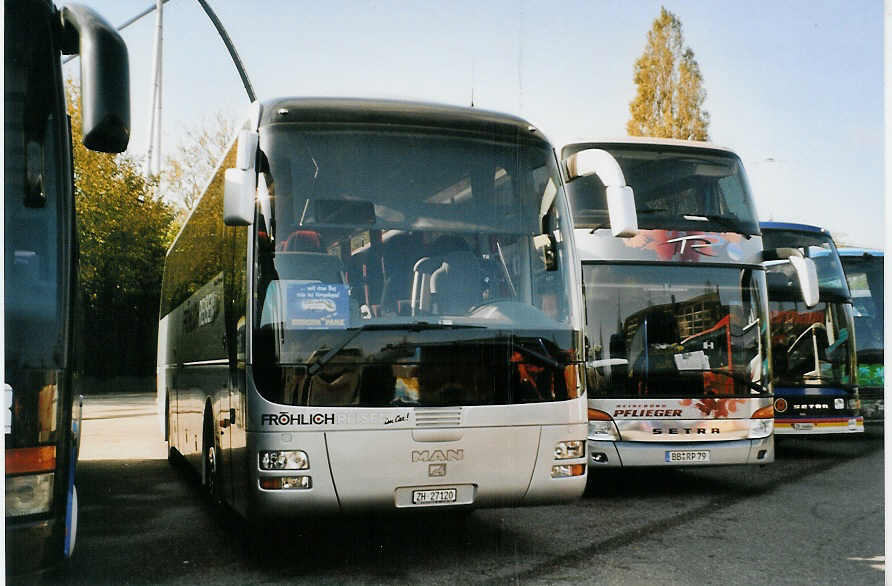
x=697 y=241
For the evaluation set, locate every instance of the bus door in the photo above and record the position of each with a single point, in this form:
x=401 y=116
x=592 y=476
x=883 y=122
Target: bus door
x=233 y=437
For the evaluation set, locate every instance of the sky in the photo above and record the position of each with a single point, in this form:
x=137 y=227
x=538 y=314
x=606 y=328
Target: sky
x=795 y=88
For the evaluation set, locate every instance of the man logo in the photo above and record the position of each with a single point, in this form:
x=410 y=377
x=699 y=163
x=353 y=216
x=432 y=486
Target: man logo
x=436 y=470
x=437 y=455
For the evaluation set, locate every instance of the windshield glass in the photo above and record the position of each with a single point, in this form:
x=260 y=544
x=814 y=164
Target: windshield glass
x=674 y=331
x=686 y=188
x=811 y=346
x=34 y=296
x=865 y=278
x=782 y=282
x=375 y=246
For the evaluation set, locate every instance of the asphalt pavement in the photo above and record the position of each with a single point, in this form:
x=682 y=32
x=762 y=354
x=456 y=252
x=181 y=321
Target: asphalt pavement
x=815 y=516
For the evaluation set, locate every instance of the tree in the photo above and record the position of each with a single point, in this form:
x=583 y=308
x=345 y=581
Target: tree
x=124 y=232
x=670 y=93
x=188 y=171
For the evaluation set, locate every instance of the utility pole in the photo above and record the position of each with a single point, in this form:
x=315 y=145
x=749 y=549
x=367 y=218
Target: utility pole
x=153 y=152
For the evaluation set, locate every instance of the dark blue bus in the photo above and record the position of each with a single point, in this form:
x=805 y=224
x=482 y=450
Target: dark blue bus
x=41 y=415
x=812 y=348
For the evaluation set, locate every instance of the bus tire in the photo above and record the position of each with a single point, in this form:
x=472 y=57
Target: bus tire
x=209 y=476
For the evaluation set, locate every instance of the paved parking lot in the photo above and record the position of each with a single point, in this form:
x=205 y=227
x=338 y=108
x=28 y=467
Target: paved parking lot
x=814 y=516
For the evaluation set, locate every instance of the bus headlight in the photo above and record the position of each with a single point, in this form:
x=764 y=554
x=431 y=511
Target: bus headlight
x=601 y=426
x=567 y=470
x=602 y=430
x=569 y=449
x=286 y=483
x=760 y=428
x=284 y=460
x=29 y=494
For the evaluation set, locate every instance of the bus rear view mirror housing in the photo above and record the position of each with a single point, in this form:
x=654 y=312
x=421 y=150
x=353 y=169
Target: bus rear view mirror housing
x=105 y=78
x=620 y=197
x=240 y=182
x=806 y=272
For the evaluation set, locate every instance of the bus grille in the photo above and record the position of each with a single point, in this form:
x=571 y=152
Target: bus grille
x=438 y=417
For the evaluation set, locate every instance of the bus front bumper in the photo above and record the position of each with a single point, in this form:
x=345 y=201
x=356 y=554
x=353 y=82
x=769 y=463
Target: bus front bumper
x=818 y=425
x=617 y=454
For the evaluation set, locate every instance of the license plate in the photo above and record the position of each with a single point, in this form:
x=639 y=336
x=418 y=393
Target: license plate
x=803 y=426
x=687 y=456
x=429 y=497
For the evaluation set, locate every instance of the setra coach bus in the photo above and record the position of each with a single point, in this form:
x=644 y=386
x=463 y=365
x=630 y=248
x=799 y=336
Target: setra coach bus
x=864 y=274
x=677 y=363
x=41 y=413
x=372 y=308
x=813 y=348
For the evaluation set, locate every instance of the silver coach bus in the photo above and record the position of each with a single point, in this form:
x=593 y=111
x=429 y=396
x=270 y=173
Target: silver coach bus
x=678 y=365
x=373 y=307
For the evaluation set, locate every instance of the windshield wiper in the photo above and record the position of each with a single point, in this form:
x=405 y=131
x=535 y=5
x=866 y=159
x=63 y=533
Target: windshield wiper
x=417 y=326
x=544 y=357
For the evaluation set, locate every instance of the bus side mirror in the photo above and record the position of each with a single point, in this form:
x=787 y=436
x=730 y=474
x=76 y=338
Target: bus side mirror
x=240 y=182
x=807 y=274
x=805 y=268
x=105 y=78
x=238 y=197
x=620 y=197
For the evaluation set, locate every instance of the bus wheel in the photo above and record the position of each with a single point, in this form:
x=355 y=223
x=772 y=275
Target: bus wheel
x=210 y=460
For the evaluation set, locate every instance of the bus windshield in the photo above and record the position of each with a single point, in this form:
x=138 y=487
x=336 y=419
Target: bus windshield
x=687 y=188
x=810 y=346
x=375 y=246
x=865 y=279
x=674 y=331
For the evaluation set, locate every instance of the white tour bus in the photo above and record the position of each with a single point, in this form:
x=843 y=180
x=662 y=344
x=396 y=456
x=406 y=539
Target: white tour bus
x=677 y=335
x=373 y=306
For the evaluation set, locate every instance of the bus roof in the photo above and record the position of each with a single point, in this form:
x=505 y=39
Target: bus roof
x=850 y=251
x=575 y=147
x=792 y=226
x=381 y=111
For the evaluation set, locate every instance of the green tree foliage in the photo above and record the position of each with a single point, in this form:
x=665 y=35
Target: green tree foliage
x=669 y=102
x=187 y=173
x=124 y=232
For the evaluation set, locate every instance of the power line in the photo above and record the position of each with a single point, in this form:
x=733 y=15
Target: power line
x=125 y=24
